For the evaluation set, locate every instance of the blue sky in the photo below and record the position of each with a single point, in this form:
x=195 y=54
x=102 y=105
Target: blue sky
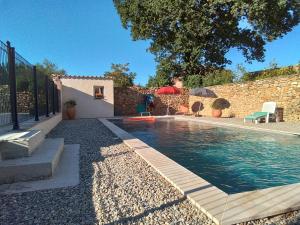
x=85 y=37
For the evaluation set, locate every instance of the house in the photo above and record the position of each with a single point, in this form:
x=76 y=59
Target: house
x=94 y=95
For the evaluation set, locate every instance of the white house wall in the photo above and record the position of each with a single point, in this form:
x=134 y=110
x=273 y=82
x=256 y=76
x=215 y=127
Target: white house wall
x=82 y=91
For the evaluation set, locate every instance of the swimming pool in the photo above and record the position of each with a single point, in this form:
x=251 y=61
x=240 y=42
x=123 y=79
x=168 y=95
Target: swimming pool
x=234 y=160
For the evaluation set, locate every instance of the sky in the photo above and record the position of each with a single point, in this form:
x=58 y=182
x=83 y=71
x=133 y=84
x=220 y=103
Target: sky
x=85 y=37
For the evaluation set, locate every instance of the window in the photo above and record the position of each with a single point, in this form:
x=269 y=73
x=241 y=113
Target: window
x=98 y=92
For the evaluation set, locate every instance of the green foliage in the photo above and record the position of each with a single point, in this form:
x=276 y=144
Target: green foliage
x=215 y=77
x=240 y=71
x=273 y=72
x=24 y=75
x=163 y=76
x=158 y=80
x=48 y=68
x=273 y=65
x=193 y=81
x=218 y=77
x=121 y=75
x=4 y=79
x=220 y=103
x=193 y=37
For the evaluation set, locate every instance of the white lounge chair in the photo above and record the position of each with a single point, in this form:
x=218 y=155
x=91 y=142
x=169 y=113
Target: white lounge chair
x=267 y=111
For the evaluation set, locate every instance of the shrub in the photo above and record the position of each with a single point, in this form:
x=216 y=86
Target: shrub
x=121 y=75
x=158 y=80
x=193 y=81
x=215 y=77
x=274 y=72
x=220 y=103
x=218 y=77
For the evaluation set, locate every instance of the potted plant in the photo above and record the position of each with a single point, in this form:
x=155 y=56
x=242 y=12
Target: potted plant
x=70 y=109
x=218 y=105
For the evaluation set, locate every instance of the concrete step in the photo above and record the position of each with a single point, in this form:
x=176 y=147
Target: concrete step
x=41 y=164
x=66 y=175
x=20 y=144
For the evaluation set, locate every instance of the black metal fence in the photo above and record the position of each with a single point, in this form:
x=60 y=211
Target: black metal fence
x=25 y=92
x=5 y=109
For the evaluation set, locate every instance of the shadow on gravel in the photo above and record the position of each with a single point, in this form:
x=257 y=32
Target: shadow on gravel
x=73 y=205
x=117 y=154
x=133 y=219
x=296 y=221
x=91 y=135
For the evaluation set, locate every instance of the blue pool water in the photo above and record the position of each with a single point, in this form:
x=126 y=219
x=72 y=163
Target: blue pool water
x=234 y=160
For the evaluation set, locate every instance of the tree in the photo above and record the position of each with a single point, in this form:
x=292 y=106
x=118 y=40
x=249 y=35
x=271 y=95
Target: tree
x=163 y=75
x=48 y=68
x=240 y=72
x=193 y=36
x=24 y=74
x=121 y=75
x=216 y=77
x=158 y=80
x=193 y=81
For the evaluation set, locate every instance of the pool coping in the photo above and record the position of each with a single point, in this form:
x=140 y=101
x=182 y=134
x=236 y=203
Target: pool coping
x=222 y=208
x=227 y=124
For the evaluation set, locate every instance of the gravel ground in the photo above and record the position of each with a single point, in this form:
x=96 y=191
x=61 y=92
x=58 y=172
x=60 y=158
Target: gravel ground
x=116 y=187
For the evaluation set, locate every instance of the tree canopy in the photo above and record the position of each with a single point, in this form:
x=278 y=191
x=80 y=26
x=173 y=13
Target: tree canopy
x=48 y=68
x=158 y=80
x=24 y=74
x=121 y=75
x=162 y=76
x=216 y=77
x=193 y=36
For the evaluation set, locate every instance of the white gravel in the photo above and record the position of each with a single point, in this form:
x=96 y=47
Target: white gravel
x=116 y=187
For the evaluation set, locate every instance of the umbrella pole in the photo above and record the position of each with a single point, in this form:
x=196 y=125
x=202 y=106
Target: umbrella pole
x=168 y=108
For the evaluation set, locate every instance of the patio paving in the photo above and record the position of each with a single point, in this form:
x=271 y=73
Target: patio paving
x=289 y=127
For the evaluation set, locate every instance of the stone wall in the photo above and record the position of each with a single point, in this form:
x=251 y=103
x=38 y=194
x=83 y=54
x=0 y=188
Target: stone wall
x=4 y=99
x=25 y=105
x=25 y=102
x=127 y=99
x=245 y=98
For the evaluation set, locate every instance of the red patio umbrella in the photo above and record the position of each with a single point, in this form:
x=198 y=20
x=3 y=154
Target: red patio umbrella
x=169 y=90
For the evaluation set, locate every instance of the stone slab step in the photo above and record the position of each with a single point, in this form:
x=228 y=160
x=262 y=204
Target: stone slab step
x=65 y=175
x=39 y=165
x=20 y=144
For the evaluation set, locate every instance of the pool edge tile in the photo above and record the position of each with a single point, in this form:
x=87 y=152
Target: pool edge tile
x=221 y=209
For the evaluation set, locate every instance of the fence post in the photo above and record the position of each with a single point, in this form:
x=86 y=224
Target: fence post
x=57 y=99
x=35 y=94
x=13 y=86
x=47 y=95
x=53 y=98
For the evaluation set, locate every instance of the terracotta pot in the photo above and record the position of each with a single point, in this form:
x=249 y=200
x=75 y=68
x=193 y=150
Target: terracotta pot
x=71 y=113
x=216 y=113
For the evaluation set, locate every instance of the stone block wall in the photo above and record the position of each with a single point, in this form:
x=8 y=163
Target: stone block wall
x=245 y=98
x=25 y=102
x=4 y=99
x=127 y=99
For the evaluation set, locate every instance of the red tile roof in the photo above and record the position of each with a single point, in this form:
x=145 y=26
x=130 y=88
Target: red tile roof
x=83 y=77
